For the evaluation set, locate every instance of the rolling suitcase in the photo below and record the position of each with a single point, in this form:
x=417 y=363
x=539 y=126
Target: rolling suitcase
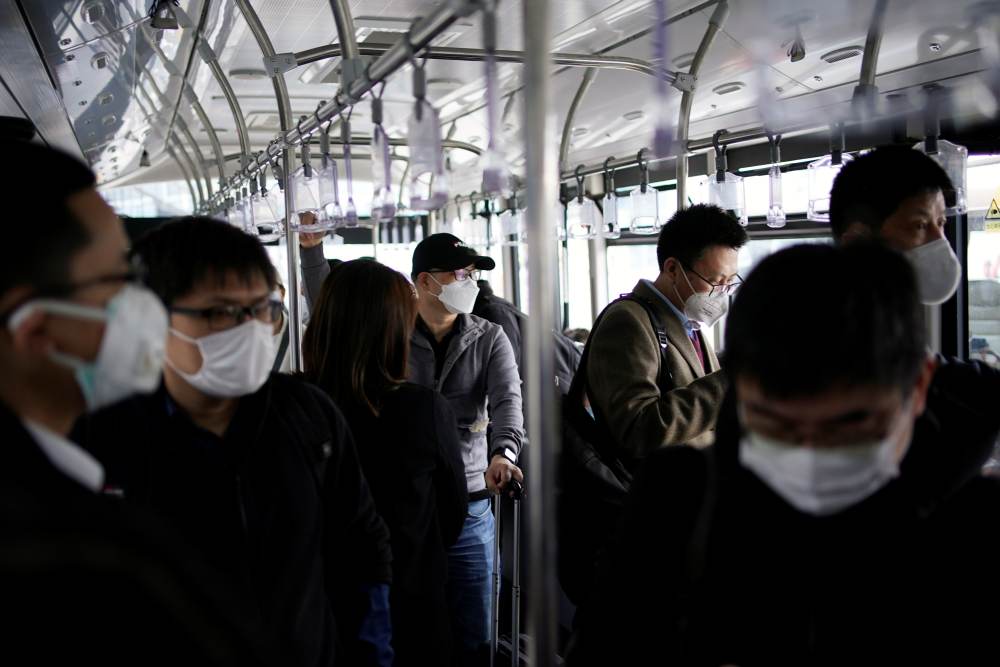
x=506 y=650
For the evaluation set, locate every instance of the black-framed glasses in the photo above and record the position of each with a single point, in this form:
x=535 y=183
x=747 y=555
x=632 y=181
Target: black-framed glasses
x=728 y=288
x=463 y=274
x=136 y=273
x=220 y=318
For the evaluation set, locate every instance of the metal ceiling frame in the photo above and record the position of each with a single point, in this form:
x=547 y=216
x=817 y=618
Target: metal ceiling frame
x=285 y=120
x=182 y=152
x=184 y=172
x=422 y=32
x=866 y=87
x=607 y=49
x=356 y=85
x=212 y=60
x=687 y=99
x=588 y=78
x=192 y=98
x=205 y=11
x=367 y=141
x=478 y=55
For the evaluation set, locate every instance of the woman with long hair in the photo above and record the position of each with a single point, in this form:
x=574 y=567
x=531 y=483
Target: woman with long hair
x=356 y=348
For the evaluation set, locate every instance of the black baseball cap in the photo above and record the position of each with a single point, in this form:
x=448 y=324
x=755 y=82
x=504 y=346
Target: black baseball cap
x=445 y=252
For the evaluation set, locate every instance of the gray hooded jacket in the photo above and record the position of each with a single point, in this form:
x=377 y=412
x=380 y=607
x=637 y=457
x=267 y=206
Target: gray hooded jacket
x=479 y=370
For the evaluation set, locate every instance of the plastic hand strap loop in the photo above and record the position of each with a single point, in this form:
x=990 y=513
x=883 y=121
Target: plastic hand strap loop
x=774 y=141
x=579 y=183
x=643 y=171
x=306 y=157
x=609 y=176
x=721 y=161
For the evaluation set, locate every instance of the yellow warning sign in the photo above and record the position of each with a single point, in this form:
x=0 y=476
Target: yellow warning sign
x=992 y=222
x=994 y=212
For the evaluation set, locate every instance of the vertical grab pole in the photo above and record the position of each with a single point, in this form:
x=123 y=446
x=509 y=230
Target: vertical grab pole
x=542 y=172
x=285 y=118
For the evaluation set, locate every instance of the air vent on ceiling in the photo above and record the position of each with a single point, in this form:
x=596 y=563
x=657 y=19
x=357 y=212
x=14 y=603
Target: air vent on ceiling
x=247 y=74
x=728 y=88
x=845 y=53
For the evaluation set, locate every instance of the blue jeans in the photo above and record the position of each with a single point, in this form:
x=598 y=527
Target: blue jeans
x=470 y=585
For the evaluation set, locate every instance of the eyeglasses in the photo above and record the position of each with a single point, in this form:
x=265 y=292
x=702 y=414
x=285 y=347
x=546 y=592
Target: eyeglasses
x=136 y=273
x=463 y=274
x=220 y=318
x=728 y=288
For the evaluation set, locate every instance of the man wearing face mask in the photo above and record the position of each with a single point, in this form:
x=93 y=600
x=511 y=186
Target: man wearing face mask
x=653 y=388
x=799 y=537
x=906 y=210
x=256 y=470
x=470 y=361
x=83 y=578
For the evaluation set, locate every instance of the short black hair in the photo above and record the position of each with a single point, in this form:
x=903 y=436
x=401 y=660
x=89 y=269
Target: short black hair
x=693 y=230
x=859 y=305
x=871 y=187
x=42 y=234
x=185 y=253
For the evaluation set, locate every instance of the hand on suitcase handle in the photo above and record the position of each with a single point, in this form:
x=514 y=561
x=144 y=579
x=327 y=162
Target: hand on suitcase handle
x=502 y=474
x=516 y=489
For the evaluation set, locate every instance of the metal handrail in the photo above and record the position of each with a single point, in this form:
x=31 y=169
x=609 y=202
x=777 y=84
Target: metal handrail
x=420 y=35
x=477 y=55
x=687 y=99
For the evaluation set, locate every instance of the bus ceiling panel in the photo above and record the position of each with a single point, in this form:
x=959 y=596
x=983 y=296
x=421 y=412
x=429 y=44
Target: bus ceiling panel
x=99 y=53
x=603 y=128
x=9 y=108
x=64 y=25
x=27 y=80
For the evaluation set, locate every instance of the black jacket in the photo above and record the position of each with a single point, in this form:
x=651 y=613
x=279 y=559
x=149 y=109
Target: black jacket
x=711 y=567
x=411 y=458
x=279 y=506
x=495 y=309
x=86 y=580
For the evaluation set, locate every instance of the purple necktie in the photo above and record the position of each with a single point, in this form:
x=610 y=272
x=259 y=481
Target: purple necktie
x=696 y=341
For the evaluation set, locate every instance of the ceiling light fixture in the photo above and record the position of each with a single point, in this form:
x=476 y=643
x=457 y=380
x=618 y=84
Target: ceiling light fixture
x=247 y=74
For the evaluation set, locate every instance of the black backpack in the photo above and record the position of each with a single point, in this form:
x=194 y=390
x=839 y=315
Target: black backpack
x=593 y=478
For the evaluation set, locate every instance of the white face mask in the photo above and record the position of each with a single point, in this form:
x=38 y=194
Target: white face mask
x=130 y=359
x=820 y=480
x=938 y=271
x=701 y=307
x=458 y=297
x=235 y=362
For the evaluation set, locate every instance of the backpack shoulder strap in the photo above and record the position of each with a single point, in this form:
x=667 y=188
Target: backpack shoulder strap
x=666 y=380
x=578 y=387
x=282 y=347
